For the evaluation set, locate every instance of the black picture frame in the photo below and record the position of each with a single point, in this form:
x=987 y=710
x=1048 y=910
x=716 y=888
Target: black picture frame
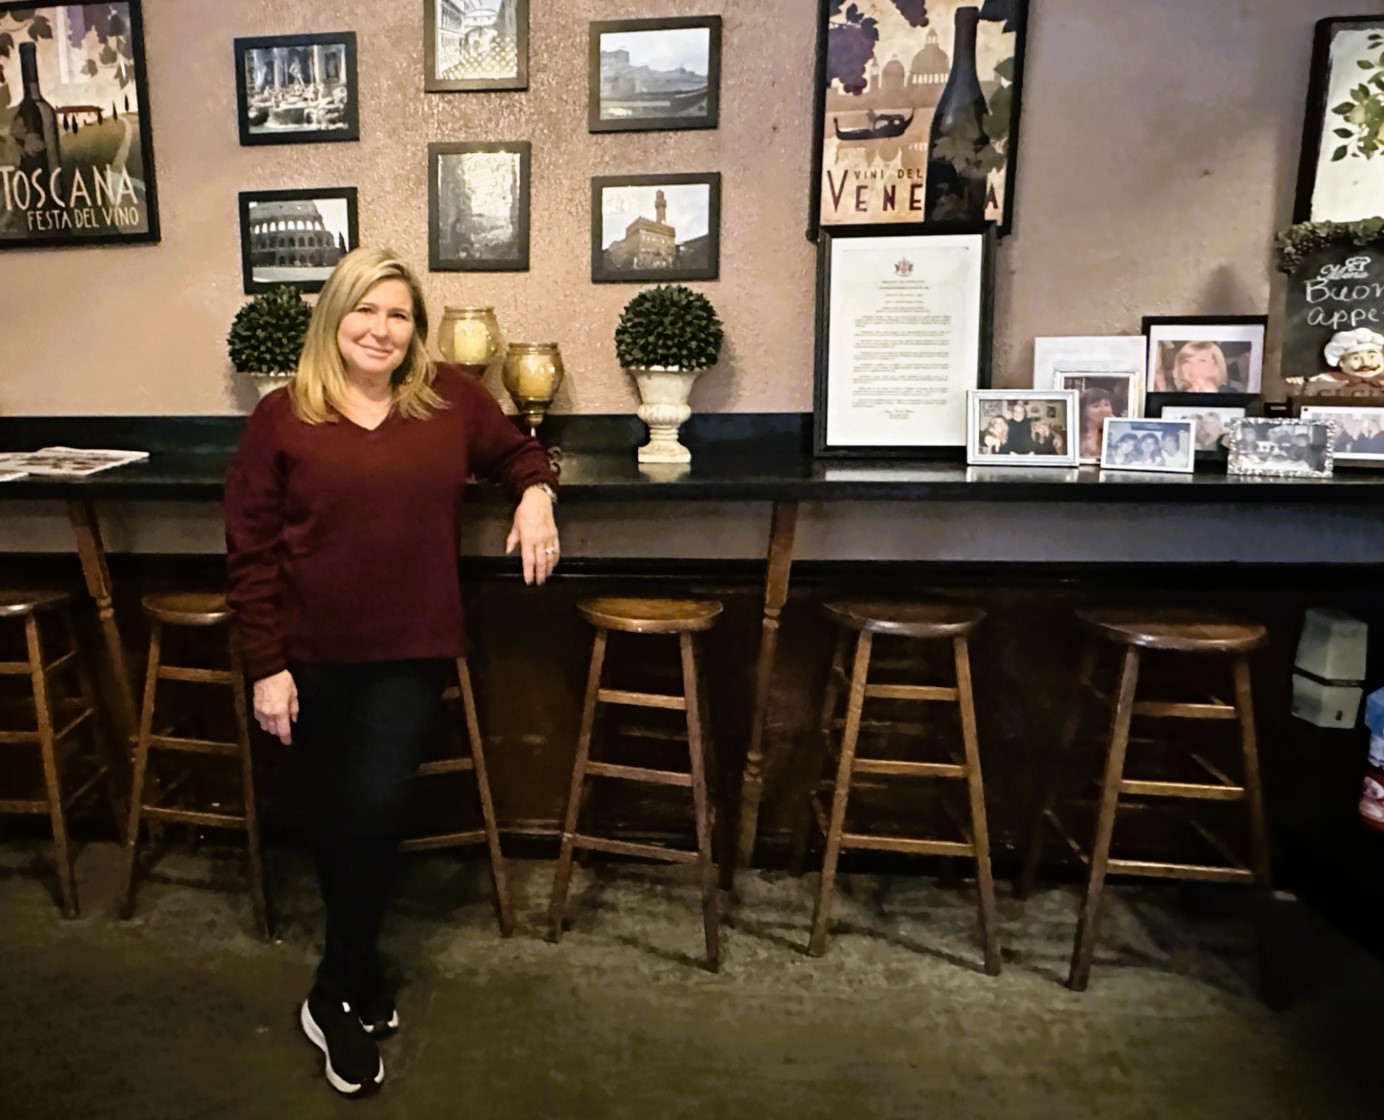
x=1327 y=128
x=458 y=239
x=696 y=259
x=1156 y=403
x=329 y=114
x=1204 y=328
x=117 y=200
x=600 y=115
x=913 y=46
x=301 y=256
x=975 y=376
x=512 y=48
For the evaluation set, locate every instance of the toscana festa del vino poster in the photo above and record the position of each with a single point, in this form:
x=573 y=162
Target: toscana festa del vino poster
x=917 y=110
x=76 y=160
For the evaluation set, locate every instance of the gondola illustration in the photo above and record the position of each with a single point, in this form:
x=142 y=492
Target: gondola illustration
x=883 y=126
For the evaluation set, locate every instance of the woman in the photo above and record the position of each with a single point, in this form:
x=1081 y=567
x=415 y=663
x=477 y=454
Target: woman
x=1097 y=406
x=1150 y=450
x=995 y=436
x=1200 y=368
x=342 y=506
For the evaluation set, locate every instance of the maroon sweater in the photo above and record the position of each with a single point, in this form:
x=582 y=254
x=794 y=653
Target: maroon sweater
x=342 y=543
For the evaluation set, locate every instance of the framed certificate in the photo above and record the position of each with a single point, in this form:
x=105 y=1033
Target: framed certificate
x=903 y=333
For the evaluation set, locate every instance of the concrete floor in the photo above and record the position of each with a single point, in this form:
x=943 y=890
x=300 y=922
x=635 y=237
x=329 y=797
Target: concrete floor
x=182 y=1013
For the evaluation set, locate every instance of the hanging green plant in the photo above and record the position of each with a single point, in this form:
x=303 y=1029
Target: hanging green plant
x=267 y=333
x=670 y=326
x=1292 y=245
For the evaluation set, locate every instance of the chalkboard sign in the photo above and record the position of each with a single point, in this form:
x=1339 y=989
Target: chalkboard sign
x=1339 y=288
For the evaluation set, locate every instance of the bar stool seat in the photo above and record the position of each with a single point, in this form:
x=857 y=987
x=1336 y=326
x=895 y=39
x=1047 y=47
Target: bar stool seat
x=683 y=619
x=17 y=604
x=915 y=621
x=1176 y=631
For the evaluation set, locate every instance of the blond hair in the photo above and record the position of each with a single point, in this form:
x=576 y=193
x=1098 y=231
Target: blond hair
x=1217 y=358
x=318 y=389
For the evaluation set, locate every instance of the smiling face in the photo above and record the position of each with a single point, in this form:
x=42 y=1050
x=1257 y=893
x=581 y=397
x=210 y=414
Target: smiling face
x=374 y=336
x=1365 y=362
x=1198 y=372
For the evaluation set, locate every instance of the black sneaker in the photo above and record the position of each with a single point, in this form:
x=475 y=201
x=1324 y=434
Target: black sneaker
x=354 y=1066
x=378 y=1015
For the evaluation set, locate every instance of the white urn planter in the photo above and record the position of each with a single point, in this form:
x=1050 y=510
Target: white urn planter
x=266 y=383
x=663 y=392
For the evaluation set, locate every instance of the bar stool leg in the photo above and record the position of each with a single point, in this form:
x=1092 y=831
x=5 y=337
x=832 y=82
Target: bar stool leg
x=821 y=915
x=831 y=696
x=43 y=711
x=975 y=788
x=558 y=905
x=1085 y=947
x=1050 y=780
x=701 y=801
x=258 y=902
x=112 y=763
x=141 y=767
x=1271 y=981
x=504 y=908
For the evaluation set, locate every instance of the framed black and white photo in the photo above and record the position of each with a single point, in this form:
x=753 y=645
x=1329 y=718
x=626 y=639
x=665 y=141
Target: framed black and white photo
x=903 y=334
x=475 y=45
x=295 y=237
x=1205 y=353
x=1341 y=175
x=1212 y=415
x=1021 y=427
x=655 y=228
x=1099 y=397
x=478 y=207
x=1282 y=448
x=648 y=74
x=297 y=89
x=1148 y=444
x=1359 y=432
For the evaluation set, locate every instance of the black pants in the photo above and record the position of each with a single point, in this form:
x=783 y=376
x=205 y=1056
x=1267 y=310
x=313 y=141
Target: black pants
x=361 y=731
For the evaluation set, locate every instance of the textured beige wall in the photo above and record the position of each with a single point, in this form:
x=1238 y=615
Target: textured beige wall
x=1158 y=150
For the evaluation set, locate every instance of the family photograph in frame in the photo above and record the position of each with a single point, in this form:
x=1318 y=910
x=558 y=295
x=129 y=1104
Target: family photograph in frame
x=659 y=228
x=478 y=206
x=475 y=45
x=1359 y=432
x=295 y=237
x=297 y=89
x=1212 y=415
x=1100 y=397
x=1205 y=353
x=1021 y=427
x=80 y=68
x=1282 y=448
x=1149 y=444
x=654 y=74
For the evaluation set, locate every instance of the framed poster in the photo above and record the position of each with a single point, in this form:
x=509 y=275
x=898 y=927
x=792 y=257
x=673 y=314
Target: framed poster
x=1341 y=176
x=654 y=74
x=655 y=228
x=478 y=206
x=297 y=89
x=903 y=335
x=76 y=153
x=475 y=45
x=916 y=110
x=295 y=237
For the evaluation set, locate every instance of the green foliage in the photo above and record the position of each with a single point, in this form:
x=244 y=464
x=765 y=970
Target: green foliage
x=670 y=325
x=1362 y=130
x=1293 y=244
x=267 y=333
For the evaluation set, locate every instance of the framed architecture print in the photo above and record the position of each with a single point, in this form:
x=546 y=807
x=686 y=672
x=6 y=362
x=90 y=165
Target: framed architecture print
x=478 y=207
x=1021 y=427
x=1205 y=353
x=655 y=228
x=649 y=74
x=1359 y=432
x=1341 y=176
x=903 y=334
x=295 y=237
x=1149 y=445
x=76 y=151
x=297 y=89
x=475 y=45
x=1282 y=448
x=916 y=111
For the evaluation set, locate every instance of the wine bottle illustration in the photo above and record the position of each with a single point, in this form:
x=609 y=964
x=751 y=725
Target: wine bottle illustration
x=956 y=177
x=36 y=120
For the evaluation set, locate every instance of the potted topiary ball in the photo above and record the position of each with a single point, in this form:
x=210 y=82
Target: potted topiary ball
x=667 y=337
x=267 y=336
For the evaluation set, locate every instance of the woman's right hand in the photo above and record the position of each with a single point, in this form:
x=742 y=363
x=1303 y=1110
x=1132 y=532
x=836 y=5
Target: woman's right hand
x=276 y=705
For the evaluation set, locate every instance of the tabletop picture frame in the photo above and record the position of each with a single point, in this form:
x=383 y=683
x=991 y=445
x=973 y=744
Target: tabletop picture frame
x=295 y=237
x=888 y=383
x=1212 y=416
x=1277 y=447
x=1205 y=353
x=1359 y=433
x=1101 y=396
x=649 y=75
x=483 y=47
x=478 y=206
x=1021 y=428
x=297 y=89
x=1149 y=444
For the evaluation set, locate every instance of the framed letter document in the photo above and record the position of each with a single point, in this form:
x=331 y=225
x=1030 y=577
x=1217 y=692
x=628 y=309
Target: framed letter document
x=903 y=332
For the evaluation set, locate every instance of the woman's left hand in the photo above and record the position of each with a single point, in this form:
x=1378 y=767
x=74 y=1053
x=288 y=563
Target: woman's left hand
x=535 y=533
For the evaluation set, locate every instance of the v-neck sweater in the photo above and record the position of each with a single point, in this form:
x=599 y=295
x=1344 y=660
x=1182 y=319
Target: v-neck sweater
x=342 y=541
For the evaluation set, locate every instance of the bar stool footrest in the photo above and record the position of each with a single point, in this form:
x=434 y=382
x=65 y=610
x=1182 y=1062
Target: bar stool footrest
x=443 y=840
x=631 y=848
x=639 y=774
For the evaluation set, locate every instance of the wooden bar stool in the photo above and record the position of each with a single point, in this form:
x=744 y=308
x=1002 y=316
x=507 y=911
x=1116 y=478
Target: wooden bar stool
x=684 y=618
x=923 y=622
x=57 y=720
x=470 y=763
x=1178 y=632
x=165 y=801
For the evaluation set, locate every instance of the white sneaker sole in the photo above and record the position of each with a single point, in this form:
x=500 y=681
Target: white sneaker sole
x=315 y=1036
x=382 y=1030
